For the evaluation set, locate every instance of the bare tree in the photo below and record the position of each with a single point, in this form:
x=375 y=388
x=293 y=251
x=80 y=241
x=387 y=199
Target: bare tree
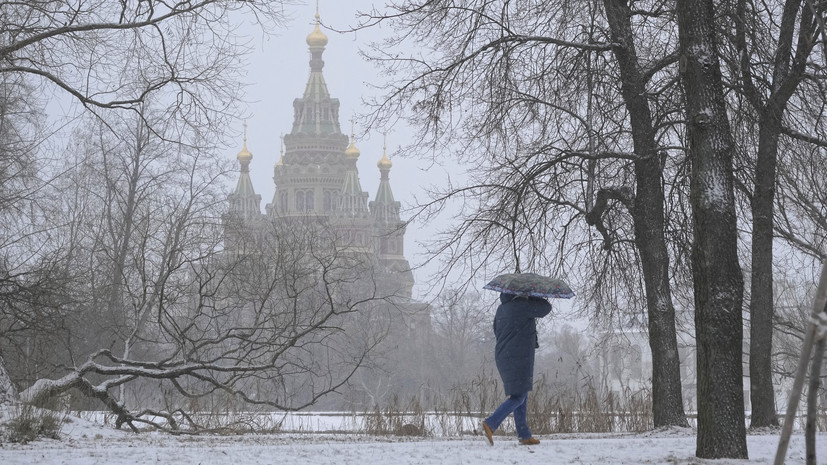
x=768 y=63
x=551 y=105
x=276 y=328
x=543 y=156
x=648 y=213
x=30 y=277
x=104 y=57
x=154 y=301
x=116 y=55
x=718 y=280
x=462 y=325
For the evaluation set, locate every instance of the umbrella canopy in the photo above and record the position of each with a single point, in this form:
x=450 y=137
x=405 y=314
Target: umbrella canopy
x=530 y=284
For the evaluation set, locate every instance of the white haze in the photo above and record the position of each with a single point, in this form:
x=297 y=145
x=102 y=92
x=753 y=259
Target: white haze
x=277 y=71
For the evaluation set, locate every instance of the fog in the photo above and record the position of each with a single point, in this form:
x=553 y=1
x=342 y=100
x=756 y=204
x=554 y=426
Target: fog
x=277 y=70
x=129 y=265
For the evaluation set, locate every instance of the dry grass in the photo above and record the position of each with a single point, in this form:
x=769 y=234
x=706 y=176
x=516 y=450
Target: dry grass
x=27 y=423
x=549 y=411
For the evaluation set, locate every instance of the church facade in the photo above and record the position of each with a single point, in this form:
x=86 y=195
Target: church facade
x=316 y=177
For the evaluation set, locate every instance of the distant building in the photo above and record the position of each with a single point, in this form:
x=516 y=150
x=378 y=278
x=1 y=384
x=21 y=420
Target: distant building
x=316 y=177
x=317 y=184
x=625 y=366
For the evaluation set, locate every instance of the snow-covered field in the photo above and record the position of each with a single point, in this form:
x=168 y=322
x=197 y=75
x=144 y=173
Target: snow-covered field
x=85 y=442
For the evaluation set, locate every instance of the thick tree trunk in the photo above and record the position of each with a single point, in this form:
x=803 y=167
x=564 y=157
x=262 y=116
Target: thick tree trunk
x=648 y=216
x=44 y=389
x=718 y=280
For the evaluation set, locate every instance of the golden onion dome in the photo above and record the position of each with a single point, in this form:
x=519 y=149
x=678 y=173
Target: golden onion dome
x=384 y=163
x=244 y=154
x=317 y=37
x=352 y=151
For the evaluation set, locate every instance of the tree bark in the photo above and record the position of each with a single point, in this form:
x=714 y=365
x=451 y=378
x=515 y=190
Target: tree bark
x=761 y=305
x=718 y=280
x=648 y=217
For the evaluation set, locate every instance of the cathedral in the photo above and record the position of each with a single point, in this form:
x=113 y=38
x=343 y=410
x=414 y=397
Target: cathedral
x=316 y=177
x=319 y=194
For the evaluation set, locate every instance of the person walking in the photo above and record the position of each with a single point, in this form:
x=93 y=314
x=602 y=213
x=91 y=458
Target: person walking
x=516 y=331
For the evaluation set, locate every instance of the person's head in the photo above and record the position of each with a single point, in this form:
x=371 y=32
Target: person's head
x=505 y=297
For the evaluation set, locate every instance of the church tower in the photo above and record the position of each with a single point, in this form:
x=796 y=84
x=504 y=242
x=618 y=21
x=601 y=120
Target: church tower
x=242 y=222
x=316 y=176
x=310 y=175
x=389 y=227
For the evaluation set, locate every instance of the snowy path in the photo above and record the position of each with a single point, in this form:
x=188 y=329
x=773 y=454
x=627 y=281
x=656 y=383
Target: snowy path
x=116 y=448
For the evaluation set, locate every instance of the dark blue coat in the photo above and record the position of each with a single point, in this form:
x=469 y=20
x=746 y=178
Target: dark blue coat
x=516 y=333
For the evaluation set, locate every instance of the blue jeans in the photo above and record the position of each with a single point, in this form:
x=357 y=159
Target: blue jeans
x=516 y=404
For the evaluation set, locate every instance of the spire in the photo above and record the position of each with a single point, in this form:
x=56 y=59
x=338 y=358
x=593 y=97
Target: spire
x=317 y=37
x=281 y=151
x=384 y=194
x=244 y=156
x=390 y=229
x=353 y=200
x=384 y=163
x=316 y=113
x=385 y=209
x=352 y=152
x=244 y=201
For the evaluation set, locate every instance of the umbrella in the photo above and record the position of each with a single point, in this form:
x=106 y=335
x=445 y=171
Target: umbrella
x=530 y=284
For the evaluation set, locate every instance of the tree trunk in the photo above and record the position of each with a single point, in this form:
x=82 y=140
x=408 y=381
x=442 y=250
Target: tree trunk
x=812 y=402
x=762 y=393
x=718 y=280
x=648 y=216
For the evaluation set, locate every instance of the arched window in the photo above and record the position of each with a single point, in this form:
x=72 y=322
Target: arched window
x=309 y=204
x=300 y=202
x=283 y=205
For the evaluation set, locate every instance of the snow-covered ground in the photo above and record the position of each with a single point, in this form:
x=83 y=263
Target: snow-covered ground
x=85 y=442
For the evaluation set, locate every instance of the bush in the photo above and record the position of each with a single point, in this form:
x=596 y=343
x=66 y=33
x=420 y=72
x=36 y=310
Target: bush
x=394 y=420
x=29 y=423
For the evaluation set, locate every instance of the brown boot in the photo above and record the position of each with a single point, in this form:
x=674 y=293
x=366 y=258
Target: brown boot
x=529 y=442
x=489 y=434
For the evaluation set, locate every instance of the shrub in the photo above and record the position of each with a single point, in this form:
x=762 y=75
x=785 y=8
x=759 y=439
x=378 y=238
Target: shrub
x=29 y=423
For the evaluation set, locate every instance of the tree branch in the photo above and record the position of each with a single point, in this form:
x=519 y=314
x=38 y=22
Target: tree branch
x=595 y=217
